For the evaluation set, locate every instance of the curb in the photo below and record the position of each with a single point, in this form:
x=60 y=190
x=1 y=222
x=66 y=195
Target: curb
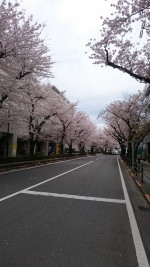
x=138 y=183
x=26 y=164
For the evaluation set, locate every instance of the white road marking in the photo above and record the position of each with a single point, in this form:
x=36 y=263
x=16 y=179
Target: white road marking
x=140 y=251
x=50 y=179
x=38 y=166
x=74 y=196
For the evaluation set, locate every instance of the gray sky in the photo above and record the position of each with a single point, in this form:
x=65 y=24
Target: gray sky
x=69 y=26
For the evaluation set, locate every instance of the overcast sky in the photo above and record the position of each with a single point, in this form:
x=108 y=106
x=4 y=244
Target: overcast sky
x=69 y=26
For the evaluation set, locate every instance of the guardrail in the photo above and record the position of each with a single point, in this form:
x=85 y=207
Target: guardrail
x=140 y=169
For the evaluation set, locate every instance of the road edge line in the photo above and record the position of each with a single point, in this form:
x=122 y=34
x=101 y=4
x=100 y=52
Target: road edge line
x=139 y=247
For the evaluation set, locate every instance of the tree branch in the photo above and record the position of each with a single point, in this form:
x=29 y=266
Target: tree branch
x=21 y=75
x=3 y=98
x=139 y=11
x=136 y=76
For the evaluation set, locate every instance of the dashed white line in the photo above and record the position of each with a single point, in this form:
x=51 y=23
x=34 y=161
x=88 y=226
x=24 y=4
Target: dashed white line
x=121 y=201
x=50 y=179
x=140 y=251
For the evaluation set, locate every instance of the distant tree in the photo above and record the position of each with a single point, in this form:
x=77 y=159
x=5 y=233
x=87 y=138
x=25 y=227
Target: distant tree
x=105 y=142
x=118 y=47
x=85 y=131
x=81 y=131
x=127 y=121
x=65 y=115
x=71 y=133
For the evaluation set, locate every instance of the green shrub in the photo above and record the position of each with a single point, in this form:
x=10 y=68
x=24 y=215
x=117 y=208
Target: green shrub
x=5 y=160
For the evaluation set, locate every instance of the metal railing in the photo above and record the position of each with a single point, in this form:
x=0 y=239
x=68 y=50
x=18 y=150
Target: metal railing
x=140 y=169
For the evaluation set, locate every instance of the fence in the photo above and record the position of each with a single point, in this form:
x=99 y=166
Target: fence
x=140 y=169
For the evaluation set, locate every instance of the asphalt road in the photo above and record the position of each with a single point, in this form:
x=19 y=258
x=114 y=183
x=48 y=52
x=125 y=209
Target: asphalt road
x=78 y=213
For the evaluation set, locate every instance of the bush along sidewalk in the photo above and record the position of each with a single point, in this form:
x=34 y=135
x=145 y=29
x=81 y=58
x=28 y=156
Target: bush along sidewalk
x=7 y=163
x=5 y=160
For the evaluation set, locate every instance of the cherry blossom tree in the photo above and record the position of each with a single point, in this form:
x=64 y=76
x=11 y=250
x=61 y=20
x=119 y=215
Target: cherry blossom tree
x=23 y=51
x=38 y=103
x=42 y=112
x=118 y=45
x=104 y=142
x=109 y=143
x=65 y=115
x=75 y=129
x=99 y=140
x=127 y=121
x=81 y=131
x=72 y=132
x=85 y=131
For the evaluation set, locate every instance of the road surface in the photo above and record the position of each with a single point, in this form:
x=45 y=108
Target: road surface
x=77 y=213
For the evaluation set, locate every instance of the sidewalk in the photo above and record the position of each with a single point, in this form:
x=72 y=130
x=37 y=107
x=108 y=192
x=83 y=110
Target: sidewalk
x=146 y=174
x=142 y=181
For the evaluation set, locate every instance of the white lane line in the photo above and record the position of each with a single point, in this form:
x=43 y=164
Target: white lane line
x=50 y=179
x=73 y=196
x=37 y=166
x=140 y=251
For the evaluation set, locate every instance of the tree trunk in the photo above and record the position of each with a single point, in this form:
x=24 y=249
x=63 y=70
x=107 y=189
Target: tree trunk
x=129 y=151
x=123 y=151
x=32 y=144
x=105 y=150
x=70 y=148
x=62 y=148
x=81 y=147
x=92 y=149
